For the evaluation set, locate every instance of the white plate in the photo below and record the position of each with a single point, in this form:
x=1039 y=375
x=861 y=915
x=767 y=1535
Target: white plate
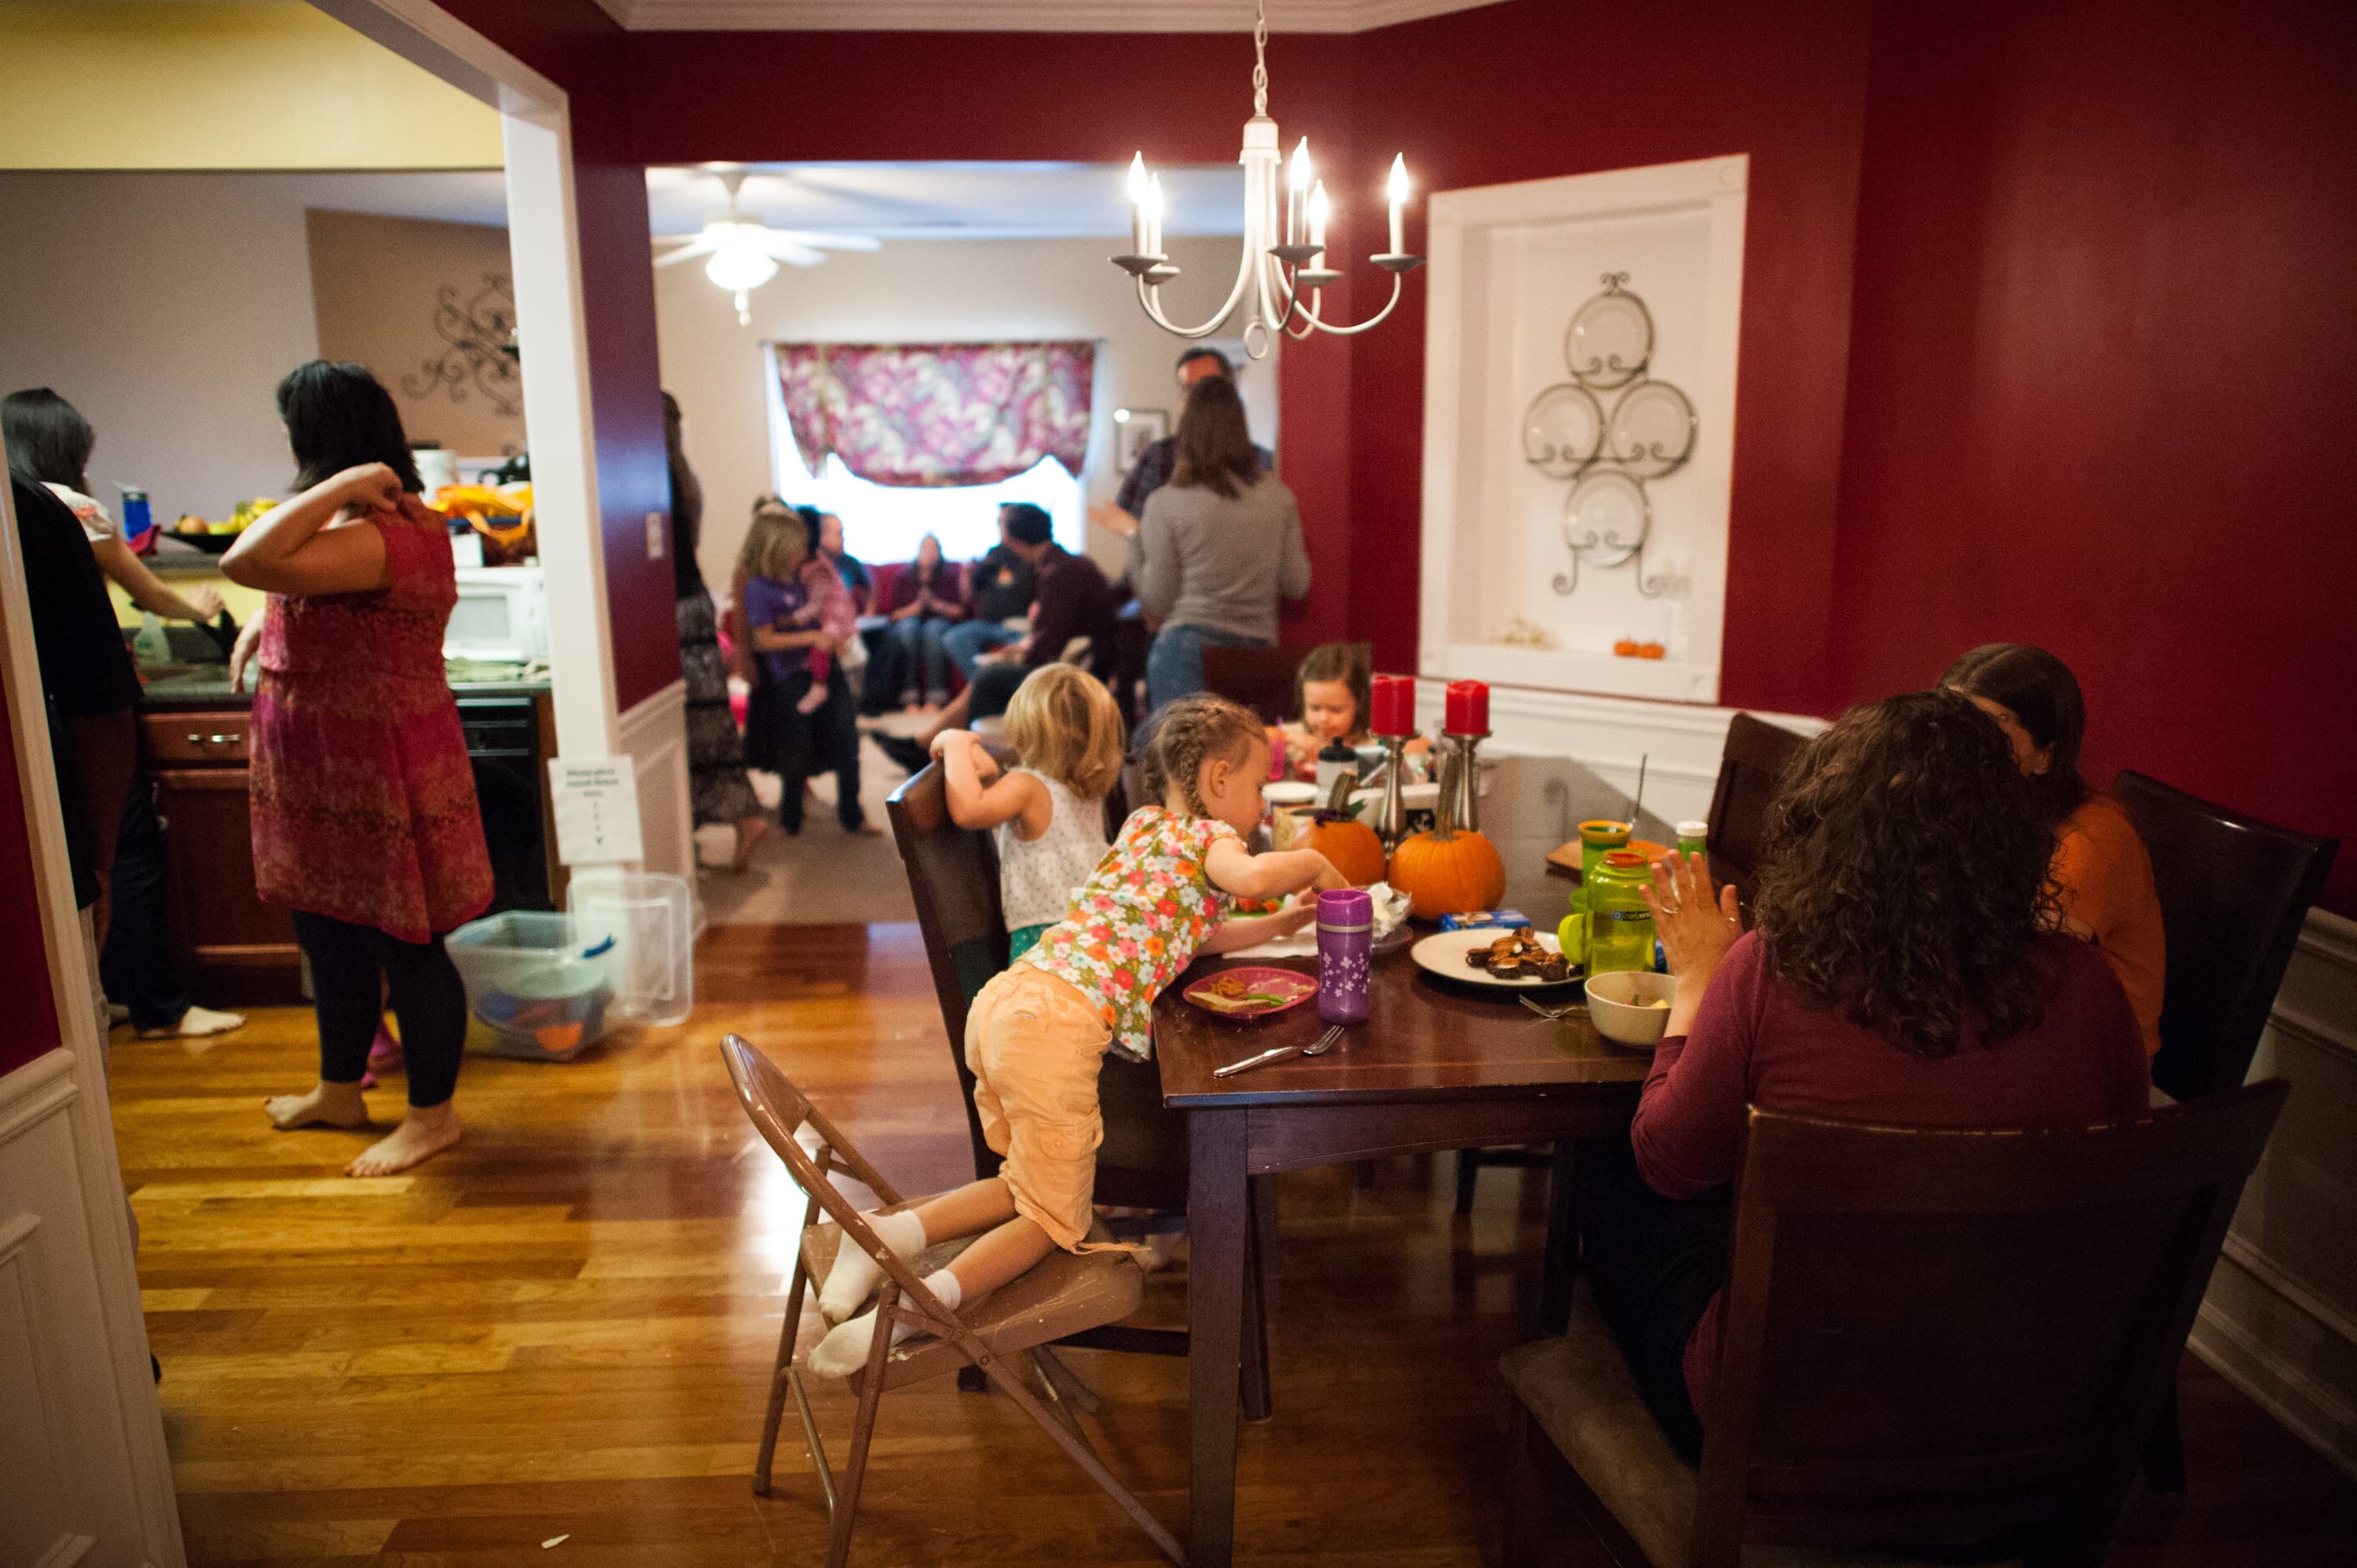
x=1443 y=953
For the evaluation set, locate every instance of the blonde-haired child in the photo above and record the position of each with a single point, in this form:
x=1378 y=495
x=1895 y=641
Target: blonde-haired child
x=1038 y=1033
x=1049 y=813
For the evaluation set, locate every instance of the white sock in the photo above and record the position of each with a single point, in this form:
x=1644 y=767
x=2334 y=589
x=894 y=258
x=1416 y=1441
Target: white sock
x=845 y=1349
x=854 y=1273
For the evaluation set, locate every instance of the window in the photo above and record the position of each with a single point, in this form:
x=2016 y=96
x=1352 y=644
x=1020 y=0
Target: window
x=884 y=522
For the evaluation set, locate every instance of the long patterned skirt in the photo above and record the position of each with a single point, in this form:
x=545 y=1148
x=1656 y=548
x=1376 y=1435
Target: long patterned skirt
x=717 y=789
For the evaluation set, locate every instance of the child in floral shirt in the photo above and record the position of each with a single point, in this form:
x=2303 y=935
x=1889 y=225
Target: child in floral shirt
x=1037 y=1033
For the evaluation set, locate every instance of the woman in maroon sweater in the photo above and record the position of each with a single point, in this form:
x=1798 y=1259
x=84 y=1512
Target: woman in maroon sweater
x=1901 y=971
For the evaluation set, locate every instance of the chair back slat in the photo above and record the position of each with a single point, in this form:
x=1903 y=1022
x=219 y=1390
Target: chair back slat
x=1265 y=679
x=953 y=879
x=2234 y=891
x=1751 y=773
x=1932 y=1336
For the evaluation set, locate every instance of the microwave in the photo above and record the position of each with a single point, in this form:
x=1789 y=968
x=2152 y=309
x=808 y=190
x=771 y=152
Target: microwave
x=502 y=617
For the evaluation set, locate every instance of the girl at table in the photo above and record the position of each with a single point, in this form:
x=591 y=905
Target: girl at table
x=1331 y=694
x=1049 y=812
x=1039 y=1030
x=1902 y=970
x=2103 y=877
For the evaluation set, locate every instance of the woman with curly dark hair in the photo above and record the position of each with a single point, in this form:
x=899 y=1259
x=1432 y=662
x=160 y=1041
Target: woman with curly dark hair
x=1903 y=970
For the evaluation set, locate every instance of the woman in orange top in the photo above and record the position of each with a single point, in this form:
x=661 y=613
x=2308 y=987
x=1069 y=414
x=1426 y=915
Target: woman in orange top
x=2103 y=877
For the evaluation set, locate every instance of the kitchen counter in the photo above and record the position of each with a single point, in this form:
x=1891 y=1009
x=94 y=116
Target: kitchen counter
x=191 y=686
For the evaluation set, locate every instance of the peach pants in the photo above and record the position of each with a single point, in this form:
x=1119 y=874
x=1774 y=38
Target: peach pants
x=1034 y=1044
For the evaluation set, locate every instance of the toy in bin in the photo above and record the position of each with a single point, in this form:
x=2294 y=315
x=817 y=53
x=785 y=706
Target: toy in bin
x=532 y=991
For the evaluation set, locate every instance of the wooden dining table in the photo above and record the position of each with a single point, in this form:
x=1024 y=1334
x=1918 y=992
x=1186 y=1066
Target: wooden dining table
x=1435 y=1065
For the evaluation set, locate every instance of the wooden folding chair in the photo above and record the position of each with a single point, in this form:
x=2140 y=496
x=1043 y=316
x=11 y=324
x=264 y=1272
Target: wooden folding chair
x=1751 y=773
x=1010 y=1328
x=1265 y=679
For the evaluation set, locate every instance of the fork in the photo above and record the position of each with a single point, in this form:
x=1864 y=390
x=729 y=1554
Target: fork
x=1323 y=1044
x=1551 y=1014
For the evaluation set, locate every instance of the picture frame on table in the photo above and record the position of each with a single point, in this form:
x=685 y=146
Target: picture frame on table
x=1135 y=429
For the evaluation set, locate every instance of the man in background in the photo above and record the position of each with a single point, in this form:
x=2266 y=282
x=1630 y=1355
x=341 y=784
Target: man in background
x=1155 y=465
x=999 y=588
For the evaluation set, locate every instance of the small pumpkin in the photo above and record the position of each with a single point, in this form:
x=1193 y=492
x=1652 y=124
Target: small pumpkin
x=1337 y=834
x=1450 y=868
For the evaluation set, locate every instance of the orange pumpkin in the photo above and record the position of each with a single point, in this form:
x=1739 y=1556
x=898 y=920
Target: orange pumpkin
x=1450 y=868
x=1342 y=839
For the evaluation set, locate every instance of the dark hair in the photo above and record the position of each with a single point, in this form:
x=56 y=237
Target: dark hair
x=1026 y=523
x=1227 y=365
x=338 y=417
x=48 y=440
x=2039 y=691
x=810 y=525
x=1186 y=732
x=1903 y=881
x=687 y=493
x=1215 y=447
x=1343 y=661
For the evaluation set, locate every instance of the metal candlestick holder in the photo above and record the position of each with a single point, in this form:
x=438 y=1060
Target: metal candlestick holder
x=1391 y=817
x=1469 y=783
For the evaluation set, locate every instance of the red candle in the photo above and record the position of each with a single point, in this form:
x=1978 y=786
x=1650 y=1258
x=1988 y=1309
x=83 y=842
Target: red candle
x=1468 y=708
x=1393 y=703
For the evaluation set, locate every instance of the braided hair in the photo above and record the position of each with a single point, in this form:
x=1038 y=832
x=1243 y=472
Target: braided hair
x=1187 y=733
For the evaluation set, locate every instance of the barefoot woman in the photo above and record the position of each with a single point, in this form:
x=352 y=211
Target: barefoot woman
x=364 y=819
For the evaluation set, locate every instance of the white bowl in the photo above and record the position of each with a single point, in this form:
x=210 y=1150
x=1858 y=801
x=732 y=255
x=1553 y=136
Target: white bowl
x=1617 y=1005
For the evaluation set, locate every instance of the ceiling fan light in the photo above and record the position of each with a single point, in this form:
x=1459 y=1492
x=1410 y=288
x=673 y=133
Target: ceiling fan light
x=739 y=265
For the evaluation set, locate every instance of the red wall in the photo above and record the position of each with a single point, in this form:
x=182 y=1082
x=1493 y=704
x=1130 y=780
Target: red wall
x=30 y=1028
x=579 y=47
x=2102 y=369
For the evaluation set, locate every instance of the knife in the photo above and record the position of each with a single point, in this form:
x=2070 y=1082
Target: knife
x=1272 y=1054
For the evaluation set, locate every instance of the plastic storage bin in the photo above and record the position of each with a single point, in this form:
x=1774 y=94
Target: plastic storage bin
x=642 y=925
x=533 y=989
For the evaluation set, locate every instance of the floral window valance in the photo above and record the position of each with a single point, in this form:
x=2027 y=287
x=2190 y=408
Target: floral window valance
x=937 y=413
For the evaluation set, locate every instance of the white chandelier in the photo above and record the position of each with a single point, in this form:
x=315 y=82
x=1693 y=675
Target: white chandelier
x=1284 y=270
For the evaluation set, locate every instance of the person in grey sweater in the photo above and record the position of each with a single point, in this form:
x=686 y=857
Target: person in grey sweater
x=1217 y=546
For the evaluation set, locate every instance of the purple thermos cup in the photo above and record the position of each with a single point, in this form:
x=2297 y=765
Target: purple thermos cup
x=1346 y=942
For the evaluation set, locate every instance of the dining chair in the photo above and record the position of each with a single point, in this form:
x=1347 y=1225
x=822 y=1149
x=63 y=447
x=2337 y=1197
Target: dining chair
x=1143 y=1161
x=1932 y=1337
x=1750 y=770
x=1263 y=678
x=2234 y=891
x=1006 y=1330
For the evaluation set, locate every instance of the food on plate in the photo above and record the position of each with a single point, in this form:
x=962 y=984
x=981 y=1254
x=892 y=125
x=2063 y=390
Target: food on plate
x=1518 y=955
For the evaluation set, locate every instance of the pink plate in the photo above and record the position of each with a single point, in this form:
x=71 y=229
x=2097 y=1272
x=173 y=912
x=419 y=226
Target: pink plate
x=1252 y=991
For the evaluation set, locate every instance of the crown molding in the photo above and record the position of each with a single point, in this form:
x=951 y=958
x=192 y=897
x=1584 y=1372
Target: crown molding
x=1018 y=15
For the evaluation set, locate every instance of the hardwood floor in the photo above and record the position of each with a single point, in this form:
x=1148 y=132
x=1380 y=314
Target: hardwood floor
x=564 y=1327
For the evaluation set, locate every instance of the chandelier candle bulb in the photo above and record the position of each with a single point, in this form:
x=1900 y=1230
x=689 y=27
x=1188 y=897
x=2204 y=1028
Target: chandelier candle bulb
x=1398 y=191
x=1296 y=186
x=1154 y=210
x=1319 y=208
x=1138 y=204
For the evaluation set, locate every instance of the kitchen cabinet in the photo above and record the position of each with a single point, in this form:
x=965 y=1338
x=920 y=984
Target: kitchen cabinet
x=240 y=948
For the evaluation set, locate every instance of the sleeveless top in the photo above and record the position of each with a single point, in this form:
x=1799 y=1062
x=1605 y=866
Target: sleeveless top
x=1037 y=880
x=363 y=800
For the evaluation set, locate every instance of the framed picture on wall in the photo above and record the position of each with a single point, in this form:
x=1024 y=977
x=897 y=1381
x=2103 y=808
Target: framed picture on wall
x=1135 y=429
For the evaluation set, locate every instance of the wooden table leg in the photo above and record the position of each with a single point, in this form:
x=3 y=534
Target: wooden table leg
x=1217 y=1218
x=1560 y=1262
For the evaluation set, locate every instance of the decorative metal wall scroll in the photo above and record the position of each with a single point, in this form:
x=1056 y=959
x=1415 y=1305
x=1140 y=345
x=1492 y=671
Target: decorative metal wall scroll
x=479 y=332
x=1649 y=433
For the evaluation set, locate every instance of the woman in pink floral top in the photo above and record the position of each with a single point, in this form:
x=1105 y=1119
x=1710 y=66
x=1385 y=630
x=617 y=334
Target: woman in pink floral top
x=1038 y=1033
x=365 y=825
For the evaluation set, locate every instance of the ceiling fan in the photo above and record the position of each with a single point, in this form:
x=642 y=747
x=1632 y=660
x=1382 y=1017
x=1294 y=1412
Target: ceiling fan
x=745 y=252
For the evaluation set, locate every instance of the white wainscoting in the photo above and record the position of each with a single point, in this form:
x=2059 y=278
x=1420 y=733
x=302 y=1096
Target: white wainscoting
x=77 y=1483
x=654 y=735
x=1679 y=743
x=2280 y=1319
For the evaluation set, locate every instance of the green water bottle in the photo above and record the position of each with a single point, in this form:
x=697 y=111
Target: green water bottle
x=1619 y=921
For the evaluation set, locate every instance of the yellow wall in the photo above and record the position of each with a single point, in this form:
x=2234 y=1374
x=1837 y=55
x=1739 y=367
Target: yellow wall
x=204 y=86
